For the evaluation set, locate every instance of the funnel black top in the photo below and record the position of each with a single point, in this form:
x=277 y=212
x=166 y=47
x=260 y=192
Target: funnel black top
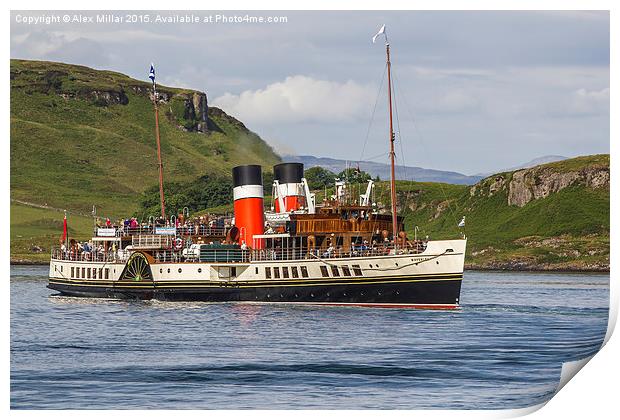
x=288 y=173
x=247 y=175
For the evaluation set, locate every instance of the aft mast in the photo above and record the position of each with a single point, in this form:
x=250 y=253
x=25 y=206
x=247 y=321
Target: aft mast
x=392 y=154
x=159 y=164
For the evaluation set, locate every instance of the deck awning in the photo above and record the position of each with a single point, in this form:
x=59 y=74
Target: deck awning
x=105 y=239
x=272 y=236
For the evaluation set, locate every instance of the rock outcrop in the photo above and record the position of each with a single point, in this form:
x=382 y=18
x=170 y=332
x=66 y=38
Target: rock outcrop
x=107 y=89
x=196 y=110
x=526 y=185
x=532 y=184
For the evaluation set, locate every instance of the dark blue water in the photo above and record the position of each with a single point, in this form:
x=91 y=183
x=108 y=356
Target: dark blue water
x=503 y=349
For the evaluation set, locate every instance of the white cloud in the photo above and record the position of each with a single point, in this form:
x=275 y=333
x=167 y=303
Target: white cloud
x=590 y=101
x=301 y=99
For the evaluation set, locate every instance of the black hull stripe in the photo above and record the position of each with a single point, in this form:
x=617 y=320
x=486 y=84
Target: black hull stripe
x=444 y=293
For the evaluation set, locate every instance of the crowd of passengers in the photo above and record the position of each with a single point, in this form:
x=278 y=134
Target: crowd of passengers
x=86 y=251
x=198 y=225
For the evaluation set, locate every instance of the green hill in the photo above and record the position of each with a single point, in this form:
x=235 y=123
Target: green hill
x=81 y=137
x=552 y=216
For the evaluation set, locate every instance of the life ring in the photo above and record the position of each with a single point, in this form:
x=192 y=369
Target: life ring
x=178 y=243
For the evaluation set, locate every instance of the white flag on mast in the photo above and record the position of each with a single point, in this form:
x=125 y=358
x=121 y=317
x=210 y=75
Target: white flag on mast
x=381 y=31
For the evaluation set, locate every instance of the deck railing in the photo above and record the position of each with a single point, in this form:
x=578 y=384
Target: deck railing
x=235 y=255
x=198 y=230
x=307 y=253
x=89 y=256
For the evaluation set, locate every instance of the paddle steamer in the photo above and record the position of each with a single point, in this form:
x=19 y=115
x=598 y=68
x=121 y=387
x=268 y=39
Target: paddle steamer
x=341 y=251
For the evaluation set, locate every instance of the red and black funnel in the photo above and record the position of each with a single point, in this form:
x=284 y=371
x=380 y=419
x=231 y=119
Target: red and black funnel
x=290 y=189
x=249 y=211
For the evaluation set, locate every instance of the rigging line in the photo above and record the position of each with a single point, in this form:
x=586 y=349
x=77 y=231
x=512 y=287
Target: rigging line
x=372 y=117
x=415 y=126
x=403 y=159
x=375 y=157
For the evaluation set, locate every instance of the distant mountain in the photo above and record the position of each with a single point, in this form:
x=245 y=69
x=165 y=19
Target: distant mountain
x=404 y=173
x=534 y=162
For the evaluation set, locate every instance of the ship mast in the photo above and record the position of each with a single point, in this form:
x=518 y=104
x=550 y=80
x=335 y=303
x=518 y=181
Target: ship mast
x=392 y=154
x=159 y=164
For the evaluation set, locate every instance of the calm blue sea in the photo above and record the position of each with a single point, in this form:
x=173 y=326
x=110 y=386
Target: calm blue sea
x=503 y=349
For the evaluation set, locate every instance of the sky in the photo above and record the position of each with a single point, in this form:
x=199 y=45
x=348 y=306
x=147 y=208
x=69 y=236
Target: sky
x=475 y=91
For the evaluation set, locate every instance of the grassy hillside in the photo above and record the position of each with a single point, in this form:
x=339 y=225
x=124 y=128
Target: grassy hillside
x=567 y=229
x=34 y=230
x=81 y=137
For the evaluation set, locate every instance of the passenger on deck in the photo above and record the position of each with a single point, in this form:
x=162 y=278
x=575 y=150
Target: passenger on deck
x=328 y=253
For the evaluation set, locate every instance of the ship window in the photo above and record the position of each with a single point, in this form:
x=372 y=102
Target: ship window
x=449 y=250
x=100 y=272
x=357 y=270
x=294 y=272
x=276 y=272
x=256 y=270
x=83 y=272
x=335 y=271
x=200 y=270
x=304 y=271
x=180 y=270
x=94 y=273
x=72 y=272
x=268 y=272
x=285 y=272
x=324 y=271
x=346 y=271
x=88 y=273
x=233 y=271
x=107 y=273
x=61 y=267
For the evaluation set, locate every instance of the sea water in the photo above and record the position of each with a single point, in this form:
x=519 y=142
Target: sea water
x=503 y=349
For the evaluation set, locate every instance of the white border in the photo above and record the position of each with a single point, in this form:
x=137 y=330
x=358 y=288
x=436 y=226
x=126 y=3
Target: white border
x=591 y=394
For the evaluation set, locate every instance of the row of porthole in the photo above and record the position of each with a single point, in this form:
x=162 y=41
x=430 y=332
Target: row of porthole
x=362 y=293
x=161 y=270
x=377 y=265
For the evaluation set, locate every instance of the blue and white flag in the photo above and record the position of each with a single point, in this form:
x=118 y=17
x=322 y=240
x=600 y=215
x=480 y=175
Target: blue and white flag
x=462 y=222
x=152 y=73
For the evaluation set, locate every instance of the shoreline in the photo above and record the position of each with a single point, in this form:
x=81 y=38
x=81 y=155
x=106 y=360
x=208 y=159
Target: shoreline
x=468 y=267
x=541 y=268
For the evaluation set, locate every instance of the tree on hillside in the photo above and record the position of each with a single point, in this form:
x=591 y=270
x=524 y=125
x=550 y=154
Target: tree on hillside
x=354 y=176
x=206 y=191
x=318 y=178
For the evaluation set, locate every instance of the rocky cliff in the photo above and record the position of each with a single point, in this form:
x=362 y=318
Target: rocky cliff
x=187 y=109
x=525 y=185
x=554 y=216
